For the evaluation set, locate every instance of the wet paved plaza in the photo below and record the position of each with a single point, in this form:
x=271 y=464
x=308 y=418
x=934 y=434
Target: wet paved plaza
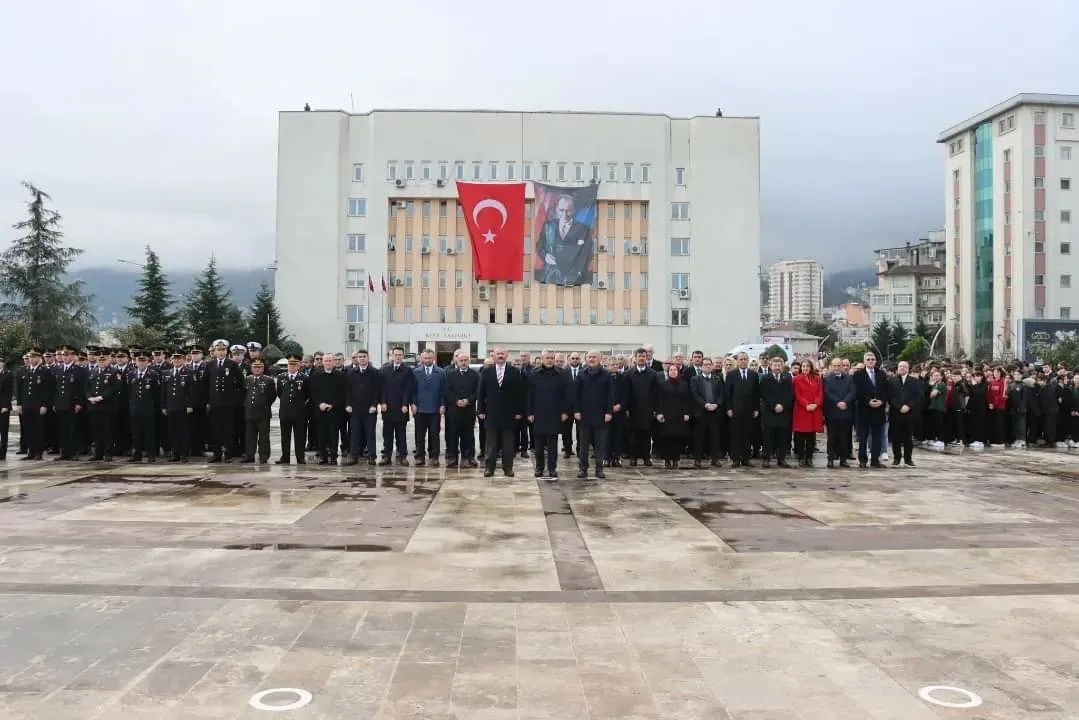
x=184 y=591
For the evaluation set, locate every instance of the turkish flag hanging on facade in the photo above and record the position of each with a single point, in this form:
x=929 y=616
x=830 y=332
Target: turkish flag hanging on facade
x=495 y=215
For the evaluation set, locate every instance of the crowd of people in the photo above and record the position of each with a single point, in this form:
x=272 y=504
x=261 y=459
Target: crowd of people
x=108 y=403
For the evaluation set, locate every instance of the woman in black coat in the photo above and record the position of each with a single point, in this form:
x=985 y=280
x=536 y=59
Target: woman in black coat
x=675 y=407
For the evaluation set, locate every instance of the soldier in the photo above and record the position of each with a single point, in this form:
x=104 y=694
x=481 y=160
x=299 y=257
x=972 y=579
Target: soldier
x=143 y=393
x=17 y=379
x=122 y=434
x=52 y=445
x=177 y=407
x=198 y=427
x=83 y=435
x=293 y=390
x=68 y=401
x=103 y=385
x=6 y=393
x=159 y=363
x=239 y=356
x=260 y=393
x=36 y=391
x=225 y=387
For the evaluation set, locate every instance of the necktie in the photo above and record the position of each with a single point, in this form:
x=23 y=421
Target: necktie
x=292 y=378
x=744 y=375
x=500 y=371
x=574 y=373
x=175 y=372
x=140 y=375
x=428 y=372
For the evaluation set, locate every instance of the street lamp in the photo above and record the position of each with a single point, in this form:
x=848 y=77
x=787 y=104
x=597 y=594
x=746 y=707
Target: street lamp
x=936 y=335
x=131 y=262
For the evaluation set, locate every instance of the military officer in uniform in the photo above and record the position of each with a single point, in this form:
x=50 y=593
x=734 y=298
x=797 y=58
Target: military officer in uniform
x=294 y=392
x=103 y=385
x=225 y=387
x=51 y=444
x=143 y=396
x=260 y=392
x=239 y=356
x=68 y=401
x=83 y=436
x=17 y=379
x=122 y=434
x=177 y=406
x=35 y=397
x=7 y=386
x=159 y=363
x=198 y=427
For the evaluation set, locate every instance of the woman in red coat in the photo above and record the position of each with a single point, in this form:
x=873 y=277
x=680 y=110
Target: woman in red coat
x=808 y=412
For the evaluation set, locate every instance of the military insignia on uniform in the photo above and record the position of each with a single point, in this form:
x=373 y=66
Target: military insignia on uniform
x=226 y=371
x=147 y=385
x=38 y=381
x=119 y=376
x=183 y=381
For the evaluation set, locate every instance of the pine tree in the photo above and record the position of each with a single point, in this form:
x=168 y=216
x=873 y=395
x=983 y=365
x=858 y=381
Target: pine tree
x=151 y=306
x=264 y=320
x=211 y=314
x=33 y=280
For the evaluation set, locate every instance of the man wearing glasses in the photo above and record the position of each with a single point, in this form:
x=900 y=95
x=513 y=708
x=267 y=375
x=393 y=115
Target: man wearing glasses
x=871 y=389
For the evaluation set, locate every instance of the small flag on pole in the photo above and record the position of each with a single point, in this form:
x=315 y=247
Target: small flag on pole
x=384 y=284
x=370 y=284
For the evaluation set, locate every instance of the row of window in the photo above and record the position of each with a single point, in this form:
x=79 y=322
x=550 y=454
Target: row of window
x=1065 y=153
x=1039 y=216
x=357 y=314
x=513 y=170
x=357 y=207
x=1065 y=281
x=357 y=243
x=357 y=278
x=1067 y=119
x=443 y=209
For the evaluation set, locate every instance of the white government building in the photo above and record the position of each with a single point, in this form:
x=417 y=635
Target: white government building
x=372 y=195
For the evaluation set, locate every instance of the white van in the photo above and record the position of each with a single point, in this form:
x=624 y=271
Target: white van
x=754 y=350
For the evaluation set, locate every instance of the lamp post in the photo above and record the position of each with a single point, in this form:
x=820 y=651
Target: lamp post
x=936 y=335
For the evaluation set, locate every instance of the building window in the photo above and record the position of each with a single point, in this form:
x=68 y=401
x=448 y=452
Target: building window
x=425 y=314
x=357 y=207
x=612 y=172
x=1065 y=183
x=511 y=171
x=354 y=313
x=679 y=246
x=644 y=281
x=1039 y=182
x=680 y=317
x=1039 y=280
x=561 y=172
x=426 y=209
x=443 y=244
x=425 y=244
x=559 y=316
x=595 y=172
x=628 y=175
x=355 y=278
x=458 y=314
x=610 y=317
x=443 y=208
x=410 y=170
x=610 y=281
x=459 y=170
x=1065 y=216
x=644 y=316
x=1039 y=151
x=459 y=244
x=593 y=317
x=545 y=171
x=459 y=279
x=576 y=316
x=1065 y=313
x=578 y=172
x=679 y=281
x=1007 y=158
x=442 y=279
x=610 y=211
x=425 y=279
x=1039 y=247
x=902 y=300
x=1039 y=117
x=543 y=316
x=477 y=170
x=679 y=176
x=1065 y=248
x=410 y=208
x=357 y=172
x=646 y=173
x=680 y=211
x=425 y=170
x=1039 y=313
x=526 y=171
x=1039 y=215
x=443 y=170
x=357 y=242
x=526 y=316
x=1067 y=120
x=1065 y=281
x=627 y=210
x=493 y=171
x=391 y=170
x=627 y=281
x=1065 y=152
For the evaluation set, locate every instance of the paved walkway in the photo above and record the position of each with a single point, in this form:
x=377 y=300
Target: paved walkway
x=182 y=591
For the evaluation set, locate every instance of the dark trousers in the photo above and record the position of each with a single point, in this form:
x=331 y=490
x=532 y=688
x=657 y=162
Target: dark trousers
x=197 y=424
x=312 y=431
x=143 y=442
x=976 y=424
x=996 y=427
x=22 y=432
x=460 y=433
x=483 y=437
x=161 y=432
x=902 y=431
x=706 y=436
x=344 y=432
x=178 y=426
x=525 y=439
x=65 y=433
x=257 y=437
x=547 y=454
x=426 y=426
x=567 y=434
x=776 y=442
x=595 y=438
x=934 y=429
x=361 y=434
x=1049 y=428
x=500 y=441
x=741 y=428
x=327 y=424
x=5 y=427
x=954 y=426
x=122 y=431
x=293 y=430
x=839 y=440
x=239 y=435
x=616 y=437
x=83 y=435
x=102 y=423
x=1019 y=427
x=222 y=430
x=393 y=433
x=804 y=445
x=34 y=430
x=640 y=443
x=51 y=443
x=871 y=439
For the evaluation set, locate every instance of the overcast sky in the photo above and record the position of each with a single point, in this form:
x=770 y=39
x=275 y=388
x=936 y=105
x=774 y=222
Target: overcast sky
x=156 y=122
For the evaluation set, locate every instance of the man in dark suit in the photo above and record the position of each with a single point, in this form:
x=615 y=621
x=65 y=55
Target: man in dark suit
x=642 y=403
x=461 y=386
x=363 y=396
x=564 y=247
x=102 y=390
x=839 y=399
x=177 y=406
x=328 y=398
x=871 y=388
x=708 y=391
x=905 y=404
x=68 y=401
x=144 y=398
x=225 y=392
x=500 y=402
x=428 y=408
x=777 y=409
x=198 y=429
x=548 y=403
x=525 y=439
x=294 y=400
x=593 y=408
x=398 y=393
x=573 y=371
x=7 y=392
x=742 y=399
x=37 y=387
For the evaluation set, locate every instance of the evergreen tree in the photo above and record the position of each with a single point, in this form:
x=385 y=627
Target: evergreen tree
x=264 y=320
x=882 y=339
x=925 y=331
x=33 y=281
x=916 y=350
x=900 y=337
x=152 y=305
x=210 y=313
x=823 y=333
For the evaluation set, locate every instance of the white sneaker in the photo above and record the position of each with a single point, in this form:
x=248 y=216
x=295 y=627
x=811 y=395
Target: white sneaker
x=1062 y=445
x=938 y=445
x=977 y=446
x=1021 y=445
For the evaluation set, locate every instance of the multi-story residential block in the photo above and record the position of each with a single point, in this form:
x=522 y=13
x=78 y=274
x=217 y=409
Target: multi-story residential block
x=910 y=284
x=795 y=291
x=373 y=196
x=1011 y=223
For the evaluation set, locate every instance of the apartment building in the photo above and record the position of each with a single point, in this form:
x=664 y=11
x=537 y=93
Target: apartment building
x=795 y=292
x=911 y=283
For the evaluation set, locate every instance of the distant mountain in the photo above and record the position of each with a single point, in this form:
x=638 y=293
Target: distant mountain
x=836 y=284
x=113 y=288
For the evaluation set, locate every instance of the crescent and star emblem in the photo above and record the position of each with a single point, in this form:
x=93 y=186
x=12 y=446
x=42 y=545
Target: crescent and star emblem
x=489 y=236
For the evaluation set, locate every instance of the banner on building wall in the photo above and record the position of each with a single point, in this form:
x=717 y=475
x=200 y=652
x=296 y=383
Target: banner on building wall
x=495 y=217
x=1041 y=335
x=564 y=230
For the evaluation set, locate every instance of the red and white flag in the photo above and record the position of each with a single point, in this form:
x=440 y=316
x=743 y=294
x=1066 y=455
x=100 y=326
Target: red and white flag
x=384 y=289
x=495 y=216
x=370 y=284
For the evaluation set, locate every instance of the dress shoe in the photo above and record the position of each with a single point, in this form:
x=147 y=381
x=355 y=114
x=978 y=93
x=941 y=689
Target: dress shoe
x=844 y=464
x=452 y=464
x=508 y=473
x=831 y=464
x=434 y=463
x=281 y=461
x=582 y=475
x=600 y=475
x=783 y=464
x=488 y=473
x=908 y=463
x=473 y=464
